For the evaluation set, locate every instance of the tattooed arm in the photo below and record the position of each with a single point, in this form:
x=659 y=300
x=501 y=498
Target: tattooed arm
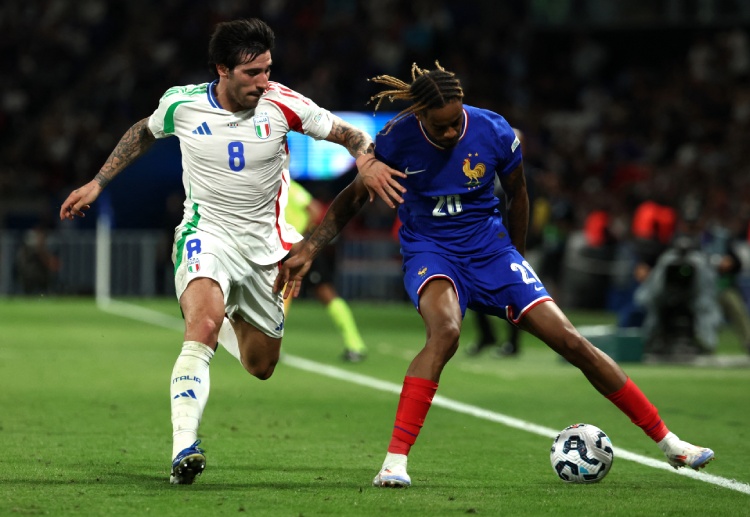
x=346 y=205
x=378 y=177
x=133 y=144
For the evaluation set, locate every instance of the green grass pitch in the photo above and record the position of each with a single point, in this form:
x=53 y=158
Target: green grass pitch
x=85 y=430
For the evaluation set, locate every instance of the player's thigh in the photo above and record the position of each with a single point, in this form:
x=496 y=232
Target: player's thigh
x=547 y=322
x=251 y=299
x=202 y=304
x=219 y=280
x=257 y=315
x=201 y=283
x=257 y=349
x=440 y=310
x=202 y=256
x=421 y=269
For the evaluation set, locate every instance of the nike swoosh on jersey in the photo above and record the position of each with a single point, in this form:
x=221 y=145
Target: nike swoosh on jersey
x=407 y=171
x=538 y=288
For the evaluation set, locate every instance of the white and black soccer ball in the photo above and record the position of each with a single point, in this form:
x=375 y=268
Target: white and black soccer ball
x=582 y=453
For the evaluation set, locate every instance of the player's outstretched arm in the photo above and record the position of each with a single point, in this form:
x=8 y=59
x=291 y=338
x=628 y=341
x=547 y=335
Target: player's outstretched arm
x=133 y=144
x=346 y=205
x=378 y=177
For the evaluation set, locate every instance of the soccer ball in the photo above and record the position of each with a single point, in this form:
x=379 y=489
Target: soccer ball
x=581 y=453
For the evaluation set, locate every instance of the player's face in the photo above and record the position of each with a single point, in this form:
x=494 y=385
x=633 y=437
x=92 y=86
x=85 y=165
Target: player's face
x=245 y=83
x=444 y=124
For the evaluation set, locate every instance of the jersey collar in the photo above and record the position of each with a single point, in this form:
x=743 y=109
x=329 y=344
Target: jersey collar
x=212 y=100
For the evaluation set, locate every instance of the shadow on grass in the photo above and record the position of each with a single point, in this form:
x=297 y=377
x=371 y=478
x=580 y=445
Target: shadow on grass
x=218 y=478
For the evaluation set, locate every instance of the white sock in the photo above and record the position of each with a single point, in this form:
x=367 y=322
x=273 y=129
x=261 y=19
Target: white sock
x=189 y=393
x=228 y=339
x=668 y=442
x=392 y=459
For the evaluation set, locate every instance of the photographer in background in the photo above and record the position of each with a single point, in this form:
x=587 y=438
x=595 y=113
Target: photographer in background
x=679 y=296
x=729 y=257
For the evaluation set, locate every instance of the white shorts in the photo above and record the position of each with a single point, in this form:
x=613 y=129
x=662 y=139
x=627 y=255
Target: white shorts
x=247 y=287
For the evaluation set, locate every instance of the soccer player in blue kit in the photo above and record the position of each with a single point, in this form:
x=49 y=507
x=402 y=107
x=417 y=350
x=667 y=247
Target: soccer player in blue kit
x=458 y=253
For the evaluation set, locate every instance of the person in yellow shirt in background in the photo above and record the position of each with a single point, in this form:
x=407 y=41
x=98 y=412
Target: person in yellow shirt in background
x=303 y=212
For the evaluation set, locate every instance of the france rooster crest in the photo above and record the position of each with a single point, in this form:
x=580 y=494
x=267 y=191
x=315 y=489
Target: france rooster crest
x=262 y=126
x=473 y=172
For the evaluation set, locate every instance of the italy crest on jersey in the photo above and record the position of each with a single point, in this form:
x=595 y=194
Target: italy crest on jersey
x=262 y=126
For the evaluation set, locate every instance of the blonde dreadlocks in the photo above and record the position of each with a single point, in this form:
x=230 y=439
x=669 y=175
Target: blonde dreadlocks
x=428 y=89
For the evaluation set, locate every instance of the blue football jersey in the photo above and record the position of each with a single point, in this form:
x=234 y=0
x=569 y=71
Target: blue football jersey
x=450 y=206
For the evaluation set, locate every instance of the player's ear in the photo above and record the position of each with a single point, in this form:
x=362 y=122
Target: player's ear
x=222 y=70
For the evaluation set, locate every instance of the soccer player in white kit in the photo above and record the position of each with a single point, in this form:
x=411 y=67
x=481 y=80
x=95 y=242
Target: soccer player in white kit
x=233 y=235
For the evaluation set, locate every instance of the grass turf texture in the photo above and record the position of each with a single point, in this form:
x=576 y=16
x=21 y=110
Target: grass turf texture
x=85 y=427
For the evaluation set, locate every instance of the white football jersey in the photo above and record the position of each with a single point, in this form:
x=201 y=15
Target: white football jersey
x=233 y=171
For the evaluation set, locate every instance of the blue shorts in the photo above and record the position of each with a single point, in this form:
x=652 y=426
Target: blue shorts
x=501 y=284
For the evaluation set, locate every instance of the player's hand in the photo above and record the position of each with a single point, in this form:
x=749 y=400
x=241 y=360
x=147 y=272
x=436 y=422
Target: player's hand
x=293 y=269
x=381 y=180
x=80 y=200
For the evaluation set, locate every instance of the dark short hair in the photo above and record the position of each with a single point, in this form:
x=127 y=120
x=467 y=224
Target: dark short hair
x=238 y=41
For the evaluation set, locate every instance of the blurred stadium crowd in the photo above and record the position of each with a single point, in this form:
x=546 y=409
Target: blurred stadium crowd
x=616 y=116
x=621 y=103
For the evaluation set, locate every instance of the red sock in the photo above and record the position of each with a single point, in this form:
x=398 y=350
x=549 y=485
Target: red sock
x=415 y=402
x=631 y=401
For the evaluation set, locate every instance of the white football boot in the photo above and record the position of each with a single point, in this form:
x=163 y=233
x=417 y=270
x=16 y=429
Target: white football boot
x=393 y=476
x=683 y=454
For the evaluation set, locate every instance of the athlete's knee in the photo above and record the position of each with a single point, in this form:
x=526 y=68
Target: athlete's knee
x=445 y=337
x=576 y=349
x=204 y=329
x=261 y=368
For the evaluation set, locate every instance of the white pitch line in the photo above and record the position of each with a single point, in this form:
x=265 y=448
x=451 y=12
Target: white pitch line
x=162 y=320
